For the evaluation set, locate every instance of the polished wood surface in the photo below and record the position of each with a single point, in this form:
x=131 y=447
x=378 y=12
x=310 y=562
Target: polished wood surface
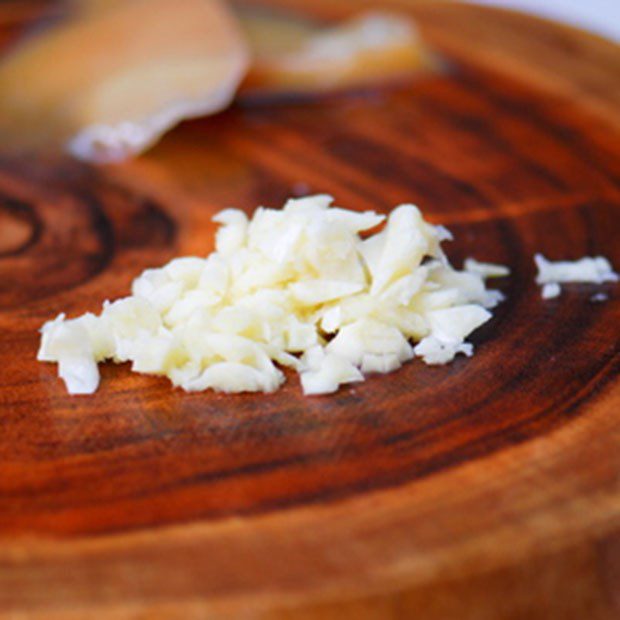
x=489 y=488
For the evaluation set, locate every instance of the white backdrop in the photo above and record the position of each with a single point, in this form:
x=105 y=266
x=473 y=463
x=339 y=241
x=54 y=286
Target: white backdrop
x=599 y=16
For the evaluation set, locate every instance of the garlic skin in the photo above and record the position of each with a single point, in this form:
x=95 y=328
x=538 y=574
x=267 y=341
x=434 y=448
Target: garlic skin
x=296 y=287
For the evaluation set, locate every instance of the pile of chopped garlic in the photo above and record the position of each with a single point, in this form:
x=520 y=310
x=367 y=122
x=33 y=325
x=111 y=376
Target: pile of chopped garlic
x=595 y=270
x=296 y=287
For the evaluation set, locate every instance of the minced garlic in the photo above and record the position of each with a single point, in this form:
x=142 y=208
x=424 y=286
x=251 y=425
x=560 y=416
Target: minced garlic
x=296 y=287
x=595 y=270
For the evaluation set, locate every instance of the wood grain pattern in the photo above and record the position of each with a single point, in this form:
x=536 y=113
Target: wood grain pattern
x=489 y=488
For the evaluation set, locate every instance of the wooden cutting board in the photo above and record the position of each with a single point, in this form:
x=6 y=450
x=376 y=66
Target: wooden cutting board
x=486 y=489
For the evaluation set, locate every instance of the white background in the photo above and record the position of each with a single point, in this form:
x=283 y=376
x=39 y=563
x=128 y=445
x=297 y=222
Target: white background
x=599 y=16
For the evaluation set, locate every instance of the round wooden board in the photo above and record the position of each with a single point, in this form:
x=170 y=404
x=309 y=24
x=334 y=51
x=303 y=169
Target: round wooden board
x=486 y=489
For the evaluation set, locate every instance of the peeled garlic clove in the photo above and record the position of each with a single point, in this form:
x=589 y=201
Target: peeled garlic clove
x=111 y=80
x=293 y=57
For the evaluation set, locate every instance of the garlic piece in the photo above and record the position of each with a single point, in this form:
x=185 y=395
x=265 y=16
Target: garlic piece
x=595 y=270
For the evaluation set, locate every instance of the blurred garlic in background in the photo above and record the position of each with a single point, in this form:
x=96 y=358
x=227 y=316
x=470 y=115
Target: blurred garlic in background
x=370 y=48
x=111 y=81
x=106 y=80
